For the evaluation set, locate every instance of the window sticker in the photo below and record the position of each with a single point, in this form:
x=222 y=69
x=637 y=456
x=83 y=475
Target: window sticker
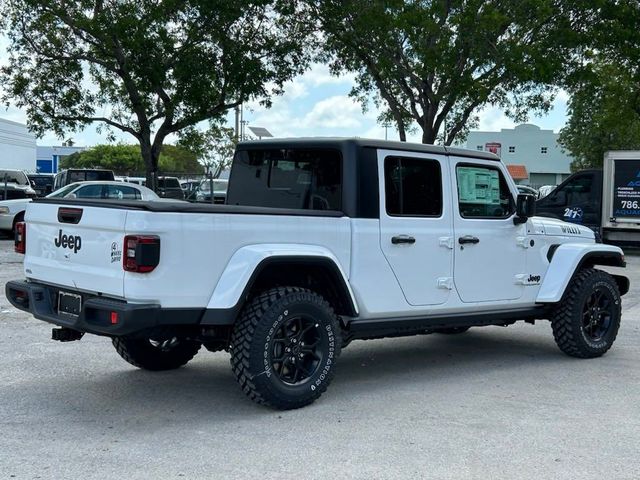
x=479 y=185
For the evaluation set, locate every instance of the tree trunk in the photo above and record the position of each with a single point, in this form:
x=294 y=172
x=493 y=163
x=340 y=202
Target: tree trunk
x=150 y=163
x=429 y=134
x=401 y=130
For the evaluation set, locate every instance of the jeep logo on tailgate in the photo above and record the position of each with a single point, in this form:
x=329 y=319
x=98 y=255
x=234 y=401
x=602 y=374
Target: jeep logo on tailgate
x=68 y=241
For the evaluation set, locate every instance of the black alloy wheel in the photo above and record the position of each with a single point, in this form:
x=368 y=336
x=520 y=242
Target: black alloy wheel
x=297 y=353
x=597 y=313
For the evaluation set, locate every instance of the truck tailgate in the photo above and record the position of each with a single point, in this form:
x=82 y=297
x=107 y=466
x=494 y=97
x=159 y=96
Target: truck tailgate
x=86 y=255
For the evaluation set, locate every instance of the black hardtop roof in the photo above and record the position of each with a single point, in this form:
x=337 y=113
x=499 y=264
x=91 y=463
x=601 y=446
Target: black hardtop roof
x=341 y=143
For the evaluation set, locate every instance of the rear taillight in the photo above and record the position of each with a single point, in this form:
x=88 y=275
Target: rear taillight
x=21 y=237
x=141 y=253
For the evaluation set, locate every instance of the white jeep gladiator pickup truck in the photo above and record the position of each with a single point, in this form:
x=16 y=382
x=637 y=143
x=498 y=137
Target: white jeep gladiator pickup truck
x=321 y=242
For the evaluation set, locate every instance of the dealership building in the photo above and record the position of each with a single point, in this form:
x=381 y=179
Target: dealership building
x=18 y=150
x=17 y=146
x=48 y=157
x=532 y=155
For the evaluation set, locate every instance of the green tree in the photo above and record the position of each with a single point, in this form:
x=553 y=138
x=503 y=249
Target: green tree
x=604 y=114
x=604 y=109
x=126 y=159
x=148 y=68
x=177 y=159
x=214 y=147
x=122 y=159
x=434 y=64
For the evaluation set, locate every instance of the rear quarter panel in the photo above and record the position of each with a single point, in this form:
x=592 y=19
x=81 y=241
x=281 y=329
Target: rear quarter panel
x=197 y=248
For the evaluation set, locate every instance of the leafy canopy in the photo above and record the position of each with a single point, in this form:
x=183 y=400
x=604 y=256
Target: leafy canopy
x=146 y=67
x=604 y=110
x=126 y=159
x=435 y=63
x=604 y=114
x=214 y=147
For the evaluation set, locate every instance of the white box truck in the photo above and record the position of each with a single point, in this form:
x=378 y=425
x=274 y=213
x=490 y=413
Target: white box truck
x=607 y=200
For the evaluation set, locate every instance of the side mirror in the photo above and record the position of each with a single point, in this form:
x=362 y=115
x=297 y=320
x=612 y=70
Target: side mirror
x=525 y=208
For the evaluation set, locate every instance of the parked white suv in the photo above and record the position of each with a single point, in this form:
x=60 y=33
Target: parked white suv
x=321 y=242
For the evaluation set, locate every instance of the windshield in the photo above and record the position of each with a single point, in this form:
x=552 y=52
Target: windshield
x=62 y=192
x=13 y=176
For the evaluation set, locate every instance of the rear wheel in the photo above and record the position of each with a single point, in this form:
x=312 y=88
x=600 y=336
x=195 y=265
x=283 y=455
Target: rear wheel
x=164 y=353
x=284 y=347
x=586 y=322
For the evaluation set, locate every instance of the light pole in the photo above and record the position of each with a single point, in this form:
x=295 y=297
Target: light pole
x=385 y=125
x=244 y=123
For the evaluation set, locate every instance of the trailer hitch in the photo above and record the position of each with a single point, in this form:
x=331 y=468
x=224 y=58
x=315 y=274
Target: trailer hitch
x=65 y=334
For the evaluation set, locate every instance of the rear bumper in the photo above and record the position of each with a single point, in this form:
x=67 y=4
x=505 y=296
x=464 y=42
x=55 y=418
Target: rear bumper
x=96 y=314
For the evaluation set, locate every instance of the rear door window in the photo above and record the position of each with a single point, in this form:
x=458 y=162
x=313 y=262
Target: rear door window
x=413 y=187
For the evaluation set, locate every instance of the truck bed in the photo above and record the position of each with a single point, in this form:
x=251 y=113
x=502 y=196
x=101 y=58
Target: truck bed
x=197 y=242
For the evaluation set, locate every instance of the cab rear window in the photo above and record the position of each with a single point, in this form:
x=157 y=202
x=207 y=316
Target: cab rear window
x=308 y=179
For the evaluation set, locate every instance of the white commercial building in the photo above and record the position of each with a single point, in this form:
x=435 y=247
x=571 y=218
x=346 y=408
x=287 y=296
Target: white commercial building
x=17 y=146
x=533 y=155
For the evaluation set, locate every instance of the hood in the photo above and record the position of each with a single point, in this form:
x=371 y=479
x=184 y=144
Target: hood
x=558 y=228
x=17 y=201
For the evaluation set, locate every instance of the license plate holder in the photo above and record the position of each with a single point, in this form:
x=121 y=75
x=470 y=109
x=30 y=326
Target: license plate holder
x=69 y=304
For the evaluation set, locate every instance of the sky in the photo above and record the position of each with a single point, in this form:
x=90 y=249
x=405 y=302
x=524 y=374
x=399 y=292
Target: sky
x=313 y=104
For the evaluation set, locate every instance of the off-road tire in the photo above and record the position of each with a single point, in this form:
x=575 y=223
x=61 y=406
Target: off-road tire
x=142 y=353
x=257 y=335
x=570 y=334
x=452 y=330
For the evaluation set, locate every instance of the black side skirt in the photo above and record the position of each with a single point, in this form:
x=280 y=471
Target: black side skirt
x=398 y=327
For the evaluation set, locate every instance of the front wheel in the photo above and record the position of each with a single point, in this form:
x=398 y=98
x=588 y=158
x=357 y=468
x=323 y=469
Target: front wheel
x=162 y=353
x=284 y=347
x=586 y=322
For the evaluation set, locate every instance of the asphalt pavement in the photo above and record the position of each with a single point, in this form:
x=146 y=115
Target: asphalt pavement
x=492 y=403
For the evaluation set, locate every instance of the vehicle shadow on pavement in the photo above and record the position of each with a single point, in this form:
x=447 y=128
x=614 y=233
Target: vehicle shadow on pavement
x=447 y=356
x=206 y=386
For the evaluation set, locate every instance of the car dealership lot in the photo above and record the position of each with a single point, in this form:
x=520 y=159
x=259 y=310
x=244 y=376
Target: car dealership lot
x=492 y=403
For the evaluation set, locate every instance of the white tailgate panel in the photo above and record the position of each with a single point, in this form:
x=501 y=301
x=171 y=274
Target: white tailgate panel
x=95 y=267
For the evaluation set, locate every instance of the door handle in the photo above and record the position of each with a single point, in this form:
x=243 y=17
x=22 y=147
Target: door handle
x=403 y=239
x=468 y=239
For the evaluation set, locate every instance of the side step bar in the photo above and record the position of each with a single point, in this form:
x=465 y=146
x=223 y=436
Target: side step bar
x=397 y=327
